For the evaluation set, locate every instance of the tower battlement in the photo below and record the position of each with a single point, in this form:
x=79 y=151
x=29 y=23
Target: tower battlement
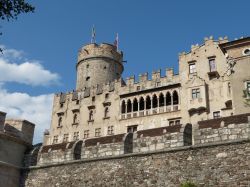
x=103 y=50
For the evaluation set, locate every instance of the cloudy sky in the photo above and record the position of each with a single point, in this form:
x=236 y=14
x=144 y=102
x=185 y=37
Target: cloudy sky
x=40 y=49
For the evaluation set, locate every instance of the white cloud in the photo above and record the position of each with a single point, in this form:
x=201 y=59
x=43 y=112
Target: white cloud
x=36 y=109
x=29 y=72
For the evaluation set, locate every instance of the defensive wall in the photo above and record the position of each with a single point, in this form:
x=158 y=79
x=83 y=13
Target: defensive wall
x=211 y=153
x=15 y=139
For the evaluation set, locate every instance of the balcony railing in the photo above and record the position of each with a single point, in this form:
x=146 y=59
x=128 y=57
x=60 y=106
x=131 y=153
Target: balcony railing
x=152 y=111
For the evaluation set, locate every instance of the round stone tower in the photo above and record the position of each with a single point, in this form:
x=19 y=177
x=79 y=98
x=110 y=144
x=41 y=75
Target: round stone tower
x=98 y=64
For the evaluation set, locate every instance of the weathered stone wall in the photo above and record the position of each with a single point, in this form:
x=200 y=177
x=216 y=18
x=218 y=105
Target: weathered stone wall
x=9 y=175
x=120 y=144
x=213 y=165
x=55 y=153
x=223 y=129
x=158 y=139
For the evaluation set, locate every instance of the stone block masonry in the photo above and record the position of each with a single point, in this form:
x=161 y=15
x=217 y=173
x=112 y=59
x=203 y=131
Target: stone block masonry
x=223 y=129
x=221 y=165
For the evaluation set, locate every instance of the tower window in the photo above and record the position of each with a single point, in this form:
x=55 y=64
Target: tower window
x=65 y=137
x=106 y=112
x=246 y=52
x=59 y=122
x=75 y=119
x=86 y=134
x=196 y=93
x=106 y=96
x=93 y=99
x=229 y=88
x=216 y=114
x=76 y=136
x=87 y=66
x=97 y=132
x=110 y=130
x=87 y=78
x=131 y=129
x=212 y=65
x=192 y=68
x=55 y=139
x=91 y=115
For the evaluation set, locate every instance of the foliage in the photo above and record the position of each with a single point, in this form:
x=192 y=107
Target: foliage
x=188 y=184
x=10 y=9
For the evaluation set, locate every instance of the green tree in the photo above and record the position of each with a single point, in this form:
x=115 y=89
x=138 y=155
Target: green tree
x=10 y=9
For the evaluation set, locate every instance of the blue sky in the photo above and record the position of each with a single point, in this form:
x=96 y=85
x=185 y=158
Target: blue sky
x=151 y=34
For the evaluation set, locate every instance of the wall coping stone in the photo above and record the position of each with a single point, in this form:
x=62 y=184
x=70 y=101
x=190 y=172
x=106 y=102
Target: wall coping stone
x=9 y=165
x=141 y=154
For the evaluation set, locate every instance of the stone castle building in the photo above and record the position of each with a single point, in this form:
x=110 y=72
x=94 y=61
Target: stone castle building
x=213 y=82
x=159 y=131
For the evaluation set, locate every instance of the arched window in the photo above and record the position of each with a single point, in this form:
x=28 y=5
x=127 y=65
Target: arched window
x=148 y=102
x=155 y=101
x=123 y=108
x=175 y=98
x=168 y=99
x=135 y=105
x=129 y=106
x=91 y=117
x=106 y=112
x=75 y=120
x=161 y=100
x=60 y=122
x=142 y=103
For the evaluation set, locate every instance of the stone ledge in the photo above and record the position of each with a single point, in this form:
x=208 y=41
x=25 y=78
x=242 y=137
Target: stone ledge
x=169 y=150
x=9 y=165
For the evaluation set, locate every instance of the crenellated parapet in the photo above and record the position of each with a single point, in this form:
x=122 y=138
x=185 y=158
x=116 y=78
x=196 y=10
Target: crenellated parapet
x=102 y=50
x=207 y=42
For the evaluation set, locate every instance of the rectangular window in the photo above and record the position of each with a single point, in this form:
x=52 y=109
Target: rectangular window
x=106 y=96
x=192 y=68
x=171 y=123
x=212 y=64
x=110 y=130
x=248 y=88
x=216 y=114
x=65 y=137
x=55 y=139
x=86 y=134
x=76 y=136
x=132 y=128
x=195 y=93
x=177 y=122
x=97 y=132
x=138 y=88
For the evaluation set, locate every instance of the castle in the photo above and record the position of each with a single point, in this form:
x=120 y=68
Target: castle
x=211 y=83
x=187 y=116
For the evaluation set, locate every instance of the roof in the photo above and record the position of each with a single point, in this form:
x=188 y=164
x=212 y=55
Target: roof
x=234 y=43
